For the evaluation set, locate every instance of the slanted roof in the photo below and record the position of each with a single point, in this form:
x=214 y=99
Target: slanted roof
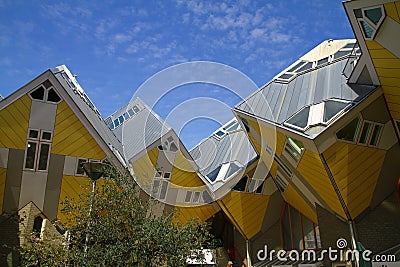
x=315 y=78
x=137 y=127
x=228 y=144
x=86 y=106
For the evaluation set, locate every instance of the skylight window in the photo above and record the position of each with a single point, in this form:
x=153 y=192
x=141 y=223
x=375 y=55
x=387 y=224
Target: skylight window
x=122 y=118
x=318 y=114
x=223 y=171
x=212 y=176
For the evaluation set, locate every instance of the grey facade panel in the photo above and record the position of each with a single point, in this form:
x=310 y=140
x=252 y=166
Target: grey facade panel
x=13 y=180
x=53 y=186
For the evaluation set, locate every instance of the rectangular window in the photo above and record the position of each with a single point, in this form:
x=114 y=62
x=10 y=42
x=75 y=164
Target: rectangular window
x=188 y=196
x=30 y=155
x=136 y=109
x=33 y=134
x=164 y=188
x=131 y=112
x=281 y=183
x=43 y=156
x=196 y=197
x=156 y=186
x=376 y=135
x=350 y=131
x=46 y=136
x=365 y=132
x=294 y=148
x=79 y=167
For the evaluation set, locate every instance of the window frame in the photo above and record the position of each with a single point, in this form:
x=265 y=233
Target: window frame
x=45 y=95
x=159 y=177
x=38 y=141
x=371 y=24
x=356 y=134
x=289 y=155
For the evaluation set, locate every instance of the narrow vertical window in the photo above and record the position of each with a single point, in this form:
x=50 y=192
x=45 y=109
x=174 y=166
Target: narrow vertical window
x=376 y=134
x=30 y=155
x=365 y=133
x=79 y=168
x=43 y=156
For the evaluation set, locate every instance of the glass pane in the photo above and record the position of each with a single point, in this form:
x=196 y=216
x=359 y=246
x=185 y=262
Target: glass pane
x=156 y=185
x=30 y=155
x=301 y=118
x=131 y=112
x=232 y=169
x=252 y=185
x=374 y=14
x=260 y=188
x=52 y=96
x=213 y=175
x=341 y=53
x=398 y=125
x=318 y=237
x=136 y=109
x=121 y=119
x=164 y=188
x=219 y=133
x=332 y=108
x=38 y=93
x=376 y=134
x=305 y=67
x=116 y=122
x=294 y=148
x=309 y=236
x=167 y=175
x=44 y=156
x=296 y=229
x=158 y=175
x=349 y=132
x=322 y=61
x=286 y=76
x=33 y=134
x=241 y=185
x=196 y=197
x=79 y=169
x=296 y=66
x=126 y=116
x=111 y=125
x=365 y=133
x=46 y=136
x=188 y=196
x=368 y=31
x=285 y=227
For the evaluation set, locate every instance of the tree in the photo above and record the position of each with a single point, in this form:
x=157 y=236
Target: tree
x=122 y=232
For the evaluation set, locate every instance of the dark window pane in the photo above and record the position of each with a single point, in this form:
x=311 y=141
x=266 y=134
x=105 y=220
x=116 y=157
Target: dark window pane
x=164 y=188
x=285 y=227
x=121 y=119
x=241 y=185
x=44 y=156
x=322 y=61
x=79 y=169
x=260 y=188
x=38 y=93
x=30 y=155
x=341 y=53
x=33 y=134
x=398 y=125
x=368 y=31
x=296 y=229
x=135 y=108
x=53 y=96
x=156 y=186
x=46 y=136
x=252 y=185
x=246 y=124
x=296 y=66
x=365 y=133
x=206 y=197
x=131 y=112
x=305 y=67
x=374 y=14
x=126 y=116
x=188 y=196
x=286 y=76
x=309 y=234
x=301 y=118
x=294 y=148
x=196 y=197
x=232 y=169
x=219 y=133
x=349 y=132
x=358 y=13
x=350 y=45
x=111 y=125
x=47 y=84
x=332 y=108
x=116 y=122
x=376 y=134
x=37 y=225
x=213 y=175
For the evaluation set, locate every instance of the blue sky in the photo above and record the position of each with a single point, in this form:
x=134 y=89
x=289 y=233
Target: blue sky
x=115 y=46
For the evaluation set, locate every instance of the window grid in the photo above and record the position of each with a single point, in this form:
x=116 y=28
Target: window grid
x=38 y=148
x=160 y=184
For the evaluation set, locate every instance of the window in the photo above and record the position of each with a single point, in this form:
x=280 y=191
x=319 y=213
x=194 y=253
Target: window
x=38 y=150
x=398 y=126
x=369 y=20
x=297 y=231
x=241 y=185
x=196 y=197
x=332 y=108
x=368 y=31
x=160 y=184
x=376 y=135
x=246 y=124
x=301 y=118
x=79 y=167
x=374 y=14
x=365 y=132
x=283 y=166
x=233 y=168
x=349 y=132
x=188 y=196
x=255 y=186
x=294 y=148
x=212 y=176
x=37 y=226
x=281 y=182
x=41 y=92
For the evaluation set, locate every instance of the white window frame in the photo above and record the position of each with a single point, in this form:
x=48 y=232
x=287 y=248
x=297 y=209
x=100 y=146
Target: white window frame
x=159 y=177
x=45 y=95
x=38 y=142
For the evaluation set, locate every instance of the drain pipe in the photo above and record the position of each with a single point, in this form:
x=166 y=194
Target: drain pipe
x=350 y=222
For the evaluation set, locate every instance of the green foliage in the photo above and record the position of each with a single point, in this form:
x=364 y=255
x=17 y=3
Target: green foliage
x=122 y=232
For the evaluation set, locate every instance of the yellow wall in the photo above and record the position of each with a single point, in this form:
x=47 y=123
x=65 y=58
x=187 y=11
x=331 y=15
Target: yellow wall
x=297 y=201
x=183 y=173
x=144 y=167
x=247 y=210
x=356 y=170
x=313 y=171
x=184 y=214
x=387 y=67
x=3 y=173
x=393 y=10
x=71 y=137
x=14 y=121
x=72 y=187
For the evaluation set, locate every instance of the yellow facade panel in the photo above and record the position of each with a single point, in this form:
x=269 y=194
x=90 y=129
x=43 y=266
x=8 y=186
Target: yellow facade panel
x=183 y=173
x=381 y=54
x=297 y=201
x=355 y=170
x=390 y=73
x=393 y=98
x=144 y=168
x=372 y=45
x=3 y=173
x=391 y=90
x=72 y=138
x=183 y=214
x=14 y=121
x=391 y=11
x=313 y=171
x=389 y=81
x=389 y=63
x=247 y=210
x=72 y=188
